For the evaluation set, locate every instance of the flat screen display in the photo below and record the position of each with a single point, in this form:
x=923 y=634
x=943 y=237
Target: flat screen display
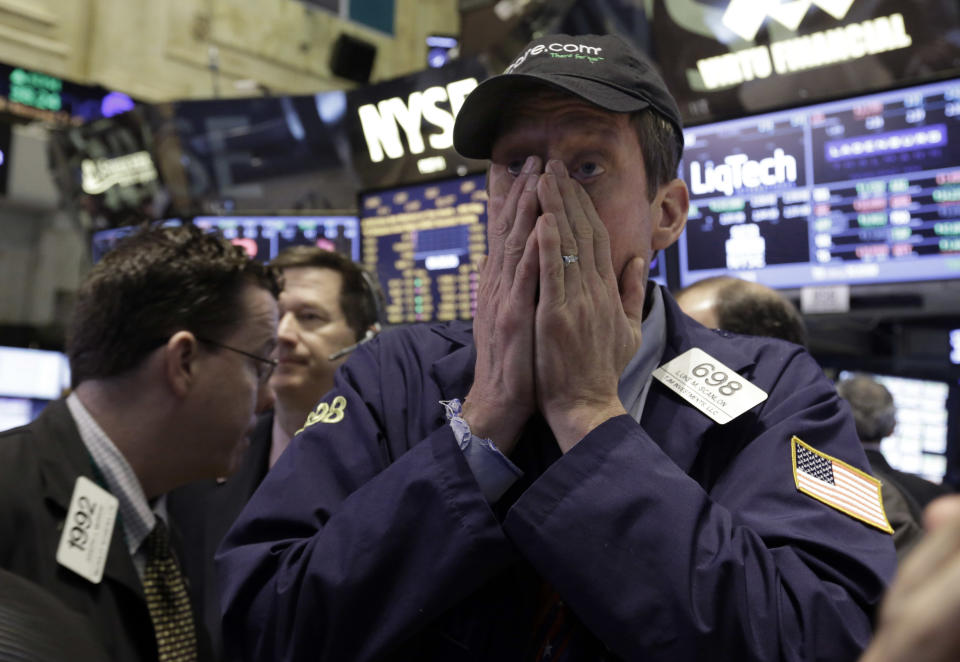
x=423 y=242
x=245 y=155
x=860 y=191
x=265 y=236
x=29 y=380
x=918 y=445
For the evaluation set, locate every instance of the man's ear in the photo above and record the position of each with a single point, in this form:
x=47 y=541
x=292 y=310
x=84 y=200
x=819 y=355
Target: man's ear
x=669 y=213
x=180 y=361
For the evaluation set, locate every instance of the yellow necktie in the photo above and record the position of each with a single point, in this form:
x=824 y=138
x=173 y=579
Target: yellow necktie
x=167 y=600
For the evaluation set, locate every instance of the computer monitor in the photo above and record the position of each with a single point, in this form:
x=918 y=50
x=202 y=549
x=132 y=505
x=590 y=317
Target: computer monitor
x=920 y=443
x=246 y=155
x=864 y=190
x=29 y=380
x=265 y=236
x=423 y=241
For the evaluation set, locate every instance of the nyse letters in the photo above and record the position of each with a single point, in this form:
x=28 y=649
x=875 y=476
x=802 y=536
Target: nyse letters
x=383 y=122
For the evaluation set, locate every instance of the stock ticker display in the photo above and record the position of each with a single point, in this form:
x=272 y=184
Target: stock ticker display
x=864 y=190
x=265 y=236
x=262 y=237
x=423 y=242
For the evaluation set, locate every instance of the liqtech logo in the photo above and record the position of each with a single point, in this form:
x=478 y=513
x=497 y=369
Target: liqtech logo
x=738 y=171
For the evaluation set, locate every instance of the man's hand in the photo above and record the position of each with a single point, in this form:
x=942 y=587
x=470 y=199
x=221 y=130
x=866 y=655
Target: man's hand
x=921 y=612
x=587 y=325
x=502 y=397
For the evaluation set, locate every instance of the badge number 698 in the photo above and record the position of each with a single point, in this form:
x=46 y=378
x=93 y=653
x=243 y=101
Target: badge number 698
x=718 y=379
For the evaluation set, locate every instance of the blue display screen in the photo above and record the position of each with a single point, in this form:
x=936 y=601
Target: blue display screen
x=265 y=236
x=859 y=191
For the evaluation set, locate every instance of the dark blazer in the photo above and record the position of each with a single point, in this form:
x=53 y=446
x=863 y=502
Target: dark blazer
x=39 y=465
x=36 y=626
x=920 y=490
x=203 y=513
x=902 y=512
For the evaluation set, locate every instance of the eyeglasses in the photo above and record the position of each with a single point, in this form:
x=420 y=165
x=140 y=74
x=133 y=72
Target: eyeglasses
x=264 y=366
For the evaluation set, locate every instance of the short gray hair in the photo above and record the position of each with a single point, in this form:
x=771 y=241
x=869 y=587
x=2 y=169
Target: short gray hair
x=873 y=408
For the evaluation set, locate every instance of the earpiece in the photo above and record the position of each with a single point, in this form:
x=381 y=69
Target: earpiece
x=370 y=335
x=373 y=294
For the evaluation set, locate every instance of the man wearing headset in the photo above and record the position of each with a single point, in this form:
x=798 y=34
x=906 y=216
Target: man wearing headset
x=327 y=307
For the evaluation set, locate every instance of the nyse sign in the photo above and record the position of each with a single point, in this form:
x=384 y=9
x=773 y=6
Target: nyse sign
x=403 y=129
x=382 y=122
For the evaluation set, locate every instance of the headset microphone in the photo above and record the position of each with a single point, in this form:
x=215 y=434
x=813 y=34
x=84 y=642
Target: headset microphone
x=371 y=334
x=376 y=307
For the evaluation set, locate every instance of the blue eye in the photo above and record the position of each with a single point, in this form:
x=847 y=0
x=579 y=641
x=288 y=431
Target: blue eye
x=589 y=169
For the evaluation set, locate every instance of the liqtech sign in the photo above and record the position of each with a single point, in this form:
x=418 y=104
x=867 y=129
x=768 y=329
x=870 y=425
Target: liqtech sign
x=724 y=58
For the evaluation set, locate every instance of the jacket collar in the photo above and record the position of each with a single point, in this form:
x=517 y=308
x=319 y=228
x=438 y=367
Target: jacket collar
x=63 y=457
x=677 y=426
x=684 y=333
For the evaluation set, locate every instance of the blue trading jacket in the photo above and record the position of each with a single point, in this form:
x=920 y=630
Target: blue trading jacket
x=675 y=539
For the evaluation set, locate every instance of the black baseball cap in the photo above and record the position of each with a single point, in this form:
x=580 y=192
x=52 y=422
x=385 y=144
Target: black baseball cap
x=601 y=69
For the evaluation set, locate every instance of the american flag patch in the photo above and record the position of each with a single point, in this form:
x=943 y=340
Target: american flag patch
x=838 y=485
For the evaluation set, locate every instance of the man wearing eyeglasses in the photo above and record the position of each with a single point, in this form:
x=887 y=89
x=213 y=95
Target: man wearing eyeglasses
x=169 y=347
x=328 y=306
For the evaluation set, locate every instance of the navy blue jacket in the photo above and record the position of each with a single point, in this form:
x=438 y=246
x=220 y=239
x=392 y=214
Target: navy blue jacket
x=672 y=539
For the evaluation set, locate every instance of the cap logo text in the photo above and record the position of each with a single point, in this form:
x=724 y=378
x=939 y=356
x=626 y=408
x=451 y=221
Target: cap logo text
x=591 y=52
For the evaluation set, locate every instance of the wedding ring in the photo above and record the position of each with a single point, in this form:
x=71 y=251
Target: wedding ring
x=570 y=259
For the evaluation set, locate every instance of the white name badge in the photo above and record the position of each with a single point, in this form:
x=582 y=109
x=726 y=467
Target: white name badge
x=708 y=385
x=87 y=530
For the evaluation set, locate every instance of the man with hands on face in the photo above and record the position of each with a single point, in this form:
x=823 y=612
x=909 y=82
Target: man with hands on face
x=586 y=473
